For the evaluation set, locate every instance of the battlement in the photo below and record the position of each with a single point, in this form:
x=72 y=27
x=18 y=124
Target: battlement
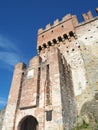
x=55 y=23
x=86 y=16
x=61 y=30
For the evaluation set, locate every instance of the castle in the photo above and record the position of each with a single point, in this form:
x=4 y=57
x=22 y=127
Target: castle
x=51 y=92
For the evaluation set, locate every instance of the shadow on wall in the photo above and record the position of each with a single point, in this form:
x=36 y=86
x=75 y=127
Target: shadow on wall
x=69 y=111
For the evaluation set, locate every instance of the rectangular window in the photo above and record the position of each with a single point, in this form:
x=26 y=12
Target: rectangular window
x=49 y=115
x=30 y=74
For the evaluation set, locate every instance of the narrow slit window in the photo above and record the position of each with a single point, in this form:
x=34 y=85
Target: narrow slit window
x=48 y=100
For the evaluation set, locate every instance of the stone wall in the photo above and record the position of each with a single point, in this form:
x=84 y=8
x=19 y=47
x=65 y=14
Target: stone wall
x=88 y=40
x=2 y=112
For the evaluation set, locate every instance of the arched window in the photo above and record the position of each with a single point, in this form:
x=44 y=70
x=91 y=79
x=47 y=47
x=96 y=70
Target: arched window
x=65 y=36
x=71 y=34
x=44 y=45
x=49 y=43
x=60 y=39
x=54 y=41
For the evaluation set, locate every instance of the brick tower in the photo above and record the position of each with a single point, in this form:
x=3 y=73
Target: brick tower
x=50 y=93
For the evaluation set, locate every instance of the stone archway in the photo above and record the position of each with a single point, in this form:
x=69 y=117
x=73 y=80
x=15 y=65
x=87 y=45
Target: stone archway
x=28 y=123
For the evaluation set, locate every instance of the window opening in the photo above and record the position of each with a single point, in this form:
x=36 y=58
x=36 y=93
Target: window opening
x=40 y=48
x=65 y=36
x=54 y=41
x=49 y=43
x=59 y=38
x=44 y=45
x=48 y=100
x=71 y=34
x=49 y=115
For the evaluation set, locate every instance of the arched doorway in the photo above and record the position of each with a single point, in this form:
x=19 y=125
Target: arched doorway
x=28 y=123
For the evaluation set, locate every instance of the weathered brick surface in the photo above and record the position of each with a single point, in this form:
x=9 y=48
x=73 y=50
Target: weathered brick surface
x=61 y=79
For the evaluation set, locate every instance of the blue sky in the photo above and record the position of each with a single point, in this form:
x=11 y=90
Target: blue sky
x=19 y=22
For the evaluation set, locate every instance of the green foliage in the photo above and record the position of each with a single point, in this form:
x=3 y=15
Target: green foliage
x=82 y=127
x=86 y=126
x=97 y=125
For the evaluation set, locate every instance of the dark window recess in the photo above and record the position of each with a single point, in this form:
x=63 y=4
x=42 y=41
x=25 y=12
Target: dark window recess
x=54 y=41
x=40 y=48
x=65 y=36
x=71 y=34
x=44 y=45
x=52 y=31
x=73 y=49
x=22 y=73
x=42 y=36
x=49 y=43
x=59 y=38
x=62 y=26
x=49 y=115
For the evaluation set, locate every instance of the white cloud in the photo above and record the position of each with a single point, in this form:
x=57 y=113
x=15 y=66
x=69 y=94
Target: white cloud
x=10 y=58
x=8 y=45
x=10 y=54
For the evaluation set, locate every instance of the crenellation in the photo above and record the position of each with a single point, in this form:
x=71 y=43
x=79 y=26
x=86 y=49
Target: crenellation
x=96 y=10
x=56 y=22
x=66 y=17
x=48 y=26
x=90 y=16
x=75 y=20
x=85 y=17
x=40 y=31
